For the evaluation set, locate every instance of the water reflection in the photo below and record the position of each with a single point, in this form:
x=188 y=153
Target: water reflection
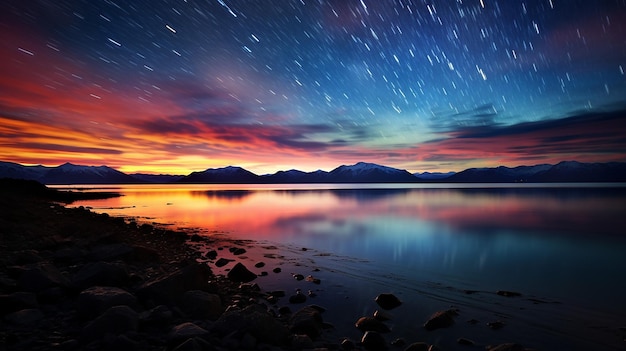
x=553 y=241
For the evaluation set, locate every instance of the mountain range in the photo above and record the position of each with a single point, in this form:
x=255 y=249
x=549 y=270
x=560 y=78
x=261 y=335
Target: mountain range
x=567 y=171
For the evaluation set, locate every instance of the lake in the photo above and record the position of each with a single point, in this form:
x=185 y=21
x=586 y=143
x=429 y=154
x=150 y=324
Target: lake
x=562 y=246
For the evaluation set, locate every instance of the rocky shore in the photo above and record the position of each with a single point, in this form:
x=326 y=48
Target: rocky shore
x=72 y=279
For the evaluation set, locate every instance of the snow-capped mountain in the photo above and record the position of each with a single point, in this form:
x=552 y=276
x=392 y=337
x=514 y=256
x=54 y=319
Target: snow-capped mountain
x=363 y=172
x=569 y=171
x=18 y=171
x=68 y=173
x=296 y=176
x=228 y=174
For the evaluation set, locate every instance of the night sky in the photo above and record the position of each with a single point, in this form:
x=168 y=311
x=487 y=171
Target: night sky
x=438 y=85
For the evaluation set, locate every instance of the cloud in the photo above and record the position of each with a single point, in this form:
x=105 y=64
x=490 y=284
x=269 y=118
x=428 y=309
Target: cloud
x=584 y=136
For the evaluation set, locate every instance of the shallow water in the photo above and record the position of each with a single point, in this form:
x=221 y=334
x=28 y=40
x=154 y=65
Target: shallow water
x=562 y=246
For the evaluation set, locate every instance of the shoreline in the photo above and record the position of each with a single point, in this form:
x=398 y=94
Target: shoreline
x=64 y=252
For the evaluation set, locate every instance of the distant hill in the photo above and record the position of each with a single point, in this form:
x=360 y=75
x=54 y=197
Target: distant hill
x=433 y=176
x=230 y=174
x=296 y=176
x=157 y=178
x=66 y=173
x=369 y=173
x=568 y=171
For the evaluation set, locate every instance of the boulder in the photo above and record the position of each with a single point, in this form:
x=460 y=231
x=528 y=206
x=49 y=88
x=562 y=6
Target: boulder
x=441 y=319
x=41 y=277
x=371 y=324
x=116 y=320
x=418 y=346
x=25 y=317
x=307 y=321
x=194 y=344
x=111 y=252
x=299 y=297
x=507 y=293
x=372 y=340
x=185 y=331
x=168 y=288
x=222 y=262
x=240 y=273
x=201 y=304
x=17 y=301
x=211 y=255
x=95 y=300
x=100 y=274
x=506 y=347
x=387 y=301
x=158 y=316
x=253 y=319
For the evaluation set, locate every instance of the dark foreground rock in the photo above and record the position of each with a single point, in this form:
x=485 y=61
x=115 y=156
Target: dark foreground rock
x=71 y=279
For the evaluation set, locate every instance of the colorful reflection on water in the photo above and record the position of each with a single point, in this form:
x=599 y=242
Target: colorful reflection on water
x=561 y=243
x=517 y=237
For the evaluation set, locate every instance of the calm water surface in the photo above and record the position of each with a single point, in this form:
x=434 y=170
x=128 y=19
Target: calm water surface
x=563 y=243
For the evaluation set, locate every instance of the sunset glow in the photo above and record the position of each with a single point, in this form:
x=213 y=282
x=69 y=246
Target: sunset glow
x=181 y=87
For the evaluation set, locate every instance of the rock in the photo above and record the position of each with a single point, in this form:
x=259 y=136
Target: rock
x=238 y=251
x=259 y=264
x=297 y=298
x=95 y=300
x=308 y=321
x=464 y=341
x=301 y=342
x=284 y=311
x=222 y=262
x=119 y=342
x=240 y=273
x=195 y=238
x=26 y=257
x=441 y=319
x=185 y=331
x=168 y=288
x=70 y=255
x=277 y=270
x=253 y=319
x=313 y=280
x=418 y=346
x=371 y=324
x=506 y=347
x=158 y=316
x=298 y=276
x=508 y=293
x=347 y=344
x=194 y=344
x=399 y=342
x=116 y=320
x=387 y=301
x=211 y=255
x=41 y=277
x=372 y=340
x=25 y=317
x=100 y=274
x=201 y=304
x=496 y=325
x=144 y=254
x=111 y=252
x=382 y=315
x=17 y=301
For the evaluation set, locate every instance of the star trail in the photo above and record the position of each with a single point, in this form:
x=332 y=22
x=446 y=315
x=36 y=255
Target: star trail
x=176 y=86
